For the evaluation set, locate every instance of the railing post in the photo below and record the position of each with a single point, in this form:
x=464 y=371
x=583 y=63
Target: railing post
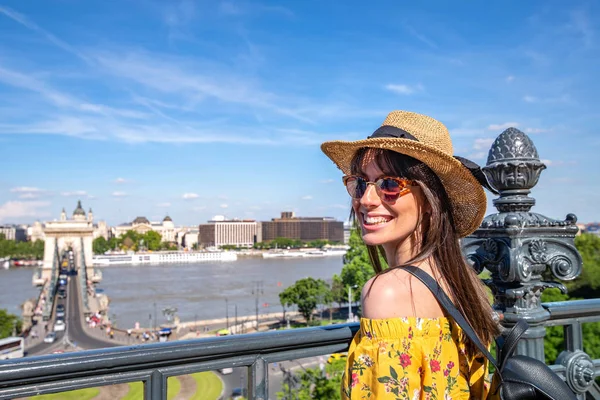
x=517 y=246
x=258 y=380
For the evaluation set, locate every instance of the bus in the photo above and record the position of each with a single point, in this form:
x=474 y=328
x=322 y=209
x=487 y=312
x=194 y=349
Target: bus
x=12 y=347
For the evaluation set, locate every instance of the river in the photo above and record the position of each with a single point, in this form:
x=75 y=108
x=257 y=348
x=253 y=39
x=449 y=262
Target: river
x=198 y=291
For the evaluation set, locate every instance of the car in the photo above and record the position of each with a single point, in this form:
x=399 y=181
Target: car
x=238 y=393
x=225 y=371
x=60 y=310
x=336 y=356
x=50 y=338
x=62 y=294
x=59 y=325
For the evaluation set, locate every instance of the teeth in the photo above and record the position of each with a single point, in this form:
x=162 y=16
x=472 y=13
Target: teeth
x=375 y=220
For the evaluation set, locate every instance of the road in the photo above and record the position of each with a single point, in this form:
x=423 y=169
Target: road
x=74 y=337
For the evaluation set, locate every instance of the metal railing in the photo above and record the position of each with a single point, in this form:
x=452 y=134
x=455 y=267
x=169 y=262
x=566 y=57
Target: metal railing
x=48 y=307
x=154 y=363
x=83 y=278
x=574 y=365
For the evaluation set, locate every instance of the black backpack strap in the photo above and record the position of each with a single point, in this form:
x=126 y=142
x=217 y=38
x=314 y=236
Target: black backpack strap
x=449 y=307
x=509 y=343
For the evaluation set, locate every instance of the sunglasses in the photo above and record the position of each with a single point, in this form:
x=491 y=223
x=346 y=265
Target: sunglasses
x=388 y=189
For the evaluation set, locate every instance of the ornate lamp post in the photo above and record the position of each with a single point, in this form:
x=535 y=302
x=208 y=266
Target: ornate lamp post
x=516 y=245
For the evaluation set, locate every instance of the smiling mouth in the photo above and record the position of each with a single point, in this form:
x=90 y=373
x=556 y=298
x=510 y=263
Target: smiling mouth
x=372 y=221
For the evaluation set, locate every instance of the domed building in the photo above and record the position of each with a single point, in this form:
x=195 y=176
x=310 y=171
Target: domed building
x=141 y=225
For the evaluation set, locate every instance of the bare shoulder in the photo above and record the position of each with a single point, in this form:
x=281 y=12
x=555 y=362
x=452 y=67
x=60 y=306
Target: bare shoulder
x=398 y=294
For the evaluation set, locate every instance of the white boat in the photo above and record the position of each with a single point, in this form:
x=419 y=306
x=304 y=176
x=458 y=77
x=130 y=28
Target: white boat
x=166 y=257
x=5 y=264
x=282 y=253
x=304 y=253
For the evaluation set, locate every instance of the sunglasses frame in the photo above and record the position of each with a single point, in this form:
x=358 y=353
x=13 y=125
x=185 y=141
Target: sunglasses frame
x=402 y=182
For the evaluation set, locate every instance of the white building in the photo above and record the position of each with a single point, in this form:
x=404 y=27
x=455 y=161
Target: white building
x=223 y=232
x=14 y=232
x=141 y=225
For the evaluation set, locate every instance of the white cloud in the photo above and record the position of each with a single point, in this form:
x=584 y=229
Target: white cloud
x=28 y=193
x=26 y=189
x=222 y=197
x=166 y=205
x=535 y=130
x=327 y=181
x=483 y=143
x=552 y=162
x=74 y=193
x=501 y=127
x=119 y=194
x=510 y=78
x=530 y=99
x=29 y=196
x=121 y=180
x=189 y=196
x=223 y=205
x=480 y=155
x=307 y=197
x=403 y=89
x=12 y=210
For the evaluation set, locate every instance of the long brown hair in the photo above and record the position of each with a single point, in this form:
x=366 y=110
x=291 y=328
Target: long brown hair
x=439 y=241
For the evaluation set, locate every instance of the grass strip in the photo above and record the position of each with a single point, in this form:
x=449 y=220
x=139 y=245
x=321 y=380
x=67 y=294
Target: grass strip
x=136 y=389
x=208 y=386
x=79 y=394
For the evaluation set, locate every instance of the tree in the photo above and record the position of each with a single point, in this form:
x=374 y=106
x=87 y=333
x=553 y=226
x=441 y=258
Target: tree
x=305 y=294
x=586 y=286
x=316 y=384
x=11 y=248
x=100 y=245
x=338 y=290
x=8 y=324
x=152 y=240
x=357 y=268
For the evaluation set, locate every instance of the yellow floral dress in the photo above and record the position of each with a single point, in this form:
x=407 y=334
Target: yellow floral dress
x=412 y=358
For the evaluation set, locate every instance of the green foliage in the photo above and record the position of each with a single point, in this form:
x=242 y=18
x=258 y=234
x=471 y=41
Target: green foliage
x=357 y=268
x=132 y=240
x=152 y=240
x=13 y=249
x=100 y=245
x=7 y=324
x=338 y=290
x=306 y=294
x=315 y=384
x=587 y=285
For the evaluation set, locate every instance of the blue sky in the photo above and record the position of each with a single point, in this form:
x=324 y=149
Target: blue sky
x=197 y=108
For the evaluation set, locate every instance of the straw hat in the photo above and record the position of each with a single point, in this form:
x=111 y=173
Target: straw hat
x=427 y=140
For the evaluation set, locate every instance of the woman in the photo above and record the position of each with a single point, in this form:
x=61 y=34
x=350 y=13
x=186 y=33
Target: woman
x=413 y=201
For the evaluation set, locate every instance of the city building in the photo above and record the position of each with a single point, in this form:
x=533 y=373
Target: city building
x=14 y=232
x=347 y=231
x=141 y=225
x=229 y=232
x=303 y=228
x=190 y=239
x=593 y=228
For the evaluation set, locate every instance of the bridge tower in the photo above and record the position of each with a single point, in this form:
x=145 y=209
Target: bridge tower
x=76 y=234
